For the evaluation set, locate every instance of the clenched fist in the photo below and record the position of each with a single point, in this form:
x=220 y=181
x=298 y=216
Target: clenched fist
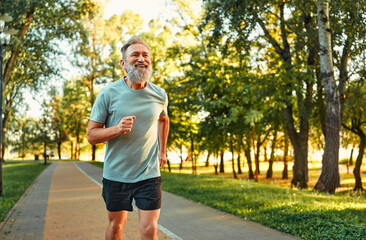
x=125 y=125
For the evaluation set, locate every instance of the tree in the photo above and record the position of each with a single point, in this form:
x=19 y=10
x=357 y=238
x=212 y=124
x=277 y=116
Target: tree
x=75 y=106
x=29 y=58
x=25 y=135
x=58 y=120
x=329 y=178
x=354 y=120
x=235 y=22
x=177 y=108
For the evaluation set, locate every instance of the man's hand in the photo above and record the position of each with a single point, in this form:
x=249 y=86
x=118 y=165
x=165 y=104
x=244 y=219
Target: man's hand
x=125 y=125
x=163 y=131
x=162 y=159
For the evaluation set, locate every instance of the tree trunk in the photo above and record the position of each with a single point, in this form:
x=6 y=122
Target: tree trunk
x=271 y=159
x=343 y=74
x=6 y=115
x=238 y=159
x=350 y=162
x=299 y=140
x=216 y=165
x=181 y=158
x=3 y=151
x=59 y=150
x=232 y=158
x=3 y=135
x=265 y=154
x=169 y=167
x=45 y=145
x=357 y=169
x=208 y=159
x=329 y=178
x=256 y=157
x=193 y=157
x=77 y=151
x=91 y=87
x=71 y=150
x=285 y=163
x=249 y=161
x=269 y=174
x=94 y=151
x=300 y=168
x=222 y=167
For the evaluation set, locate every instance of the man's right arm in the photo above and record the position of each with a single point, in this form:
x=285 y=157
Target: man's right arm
x=98 y=134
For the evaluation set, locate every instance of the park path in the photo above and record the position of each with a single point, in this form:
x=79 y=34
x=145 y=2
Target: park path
x=65 y=202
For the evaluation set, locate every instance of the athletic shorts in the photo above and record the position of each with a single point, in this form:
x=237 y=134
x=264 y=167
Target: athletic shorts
x=118 y=195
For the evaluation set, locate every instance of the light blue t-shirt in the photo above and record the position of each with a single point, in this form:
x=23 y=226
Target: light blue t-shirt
x=131 y=157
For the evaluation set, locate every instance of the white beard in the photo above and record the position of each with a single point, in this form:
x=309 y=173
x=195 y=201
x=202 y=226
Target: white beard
x=136 y=76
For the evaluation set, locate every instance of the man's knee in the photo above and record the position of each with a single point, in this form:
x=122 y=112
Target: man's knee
x=115 y=226
x=117 y=222
x=149 y=230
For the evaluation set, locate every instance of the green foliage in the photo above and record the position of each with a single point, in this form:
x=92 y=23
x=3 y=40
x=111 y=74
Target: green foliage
x=58 y=118
x=17 y=177
x=29 y=63
x=306 y=214
x=31 y=58
x=26 y=135
x=76 y=107
x=354 y=113
x=238 y=65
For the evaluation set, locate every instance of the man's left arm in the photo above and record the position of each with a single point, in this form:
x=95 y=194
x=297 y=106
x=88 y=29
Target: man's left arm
x=163 y=132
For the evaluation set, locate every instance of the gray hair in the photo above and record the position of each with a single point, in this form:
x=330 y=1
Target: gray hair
x=133 y=40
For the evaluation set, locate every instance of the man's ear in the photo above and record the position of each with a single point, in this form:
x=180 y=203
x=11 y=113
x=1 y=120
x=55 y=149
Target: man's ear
x=122 y=63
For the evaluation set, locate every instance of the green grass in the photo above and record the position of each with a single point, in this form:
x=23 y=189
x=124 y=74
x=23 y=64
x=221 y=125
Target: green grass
x=304 y=213
x=97 y=164
x=17 y=177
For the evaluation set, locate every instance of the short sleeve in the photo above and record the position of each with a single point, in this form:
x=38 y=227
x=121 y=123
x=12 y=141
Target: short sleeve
x=99 y=111
x=165 y=106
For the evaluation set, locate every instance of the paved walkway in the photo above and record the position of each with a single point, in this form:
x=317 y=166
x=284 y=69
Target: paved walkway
x=65 y=202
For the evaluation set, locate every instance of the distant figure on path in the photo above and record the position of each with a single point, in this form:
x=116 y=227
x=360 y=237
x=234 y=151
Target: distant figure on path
x=131 y=116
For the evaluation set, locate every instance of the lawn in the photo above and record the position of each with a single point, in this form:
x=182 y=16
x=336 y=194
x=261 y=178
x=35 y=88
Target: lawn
x=17 y=177
x=303 y=213
x=306 y=214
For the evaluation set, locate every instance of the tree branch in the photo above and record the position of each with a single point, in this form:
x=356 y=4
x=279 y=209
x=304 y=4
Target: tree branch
x=14 y=55
x=271 y=40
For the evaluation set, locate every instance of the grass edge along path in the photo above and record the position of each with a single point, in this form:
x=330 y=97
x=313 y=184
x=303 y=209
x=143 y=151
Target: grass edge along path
x=302 y=213
x=17 y=177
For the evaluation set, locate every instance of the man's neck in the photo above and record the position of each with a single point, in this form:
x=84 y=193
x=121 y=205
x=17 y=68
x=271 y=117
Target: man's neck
x=135 y=86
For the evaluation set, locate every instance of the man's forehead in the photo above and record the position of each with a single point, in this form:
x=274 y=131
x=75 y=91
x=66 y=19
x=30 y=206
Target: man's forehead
x=137 y=47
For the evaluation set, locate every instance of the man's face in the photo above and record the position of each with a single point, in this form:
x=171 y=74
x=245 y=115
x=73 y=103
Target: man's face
x=138 y=63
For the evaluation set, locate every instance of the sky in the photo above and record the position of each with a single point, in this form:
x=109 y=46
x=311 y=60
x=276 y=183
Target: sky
x=148 y=9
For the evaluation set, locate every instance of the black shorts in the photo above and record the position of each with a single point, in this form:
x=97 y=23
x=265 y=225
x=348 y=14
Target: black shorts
x=118 y=195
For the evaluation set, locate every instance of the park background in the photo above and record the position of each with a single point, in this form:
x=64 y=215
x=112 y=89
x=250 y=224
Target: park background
x=249 y=94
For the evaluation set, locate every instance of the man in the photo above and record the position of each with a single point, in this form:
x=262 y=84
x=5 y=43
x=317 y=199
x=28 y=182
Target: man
x=134 y=113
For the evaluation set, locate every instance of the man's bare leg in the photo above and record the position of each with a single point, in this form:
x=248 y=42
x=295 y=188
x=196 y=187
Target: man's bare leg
x=117 y=221
x=149 y=224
